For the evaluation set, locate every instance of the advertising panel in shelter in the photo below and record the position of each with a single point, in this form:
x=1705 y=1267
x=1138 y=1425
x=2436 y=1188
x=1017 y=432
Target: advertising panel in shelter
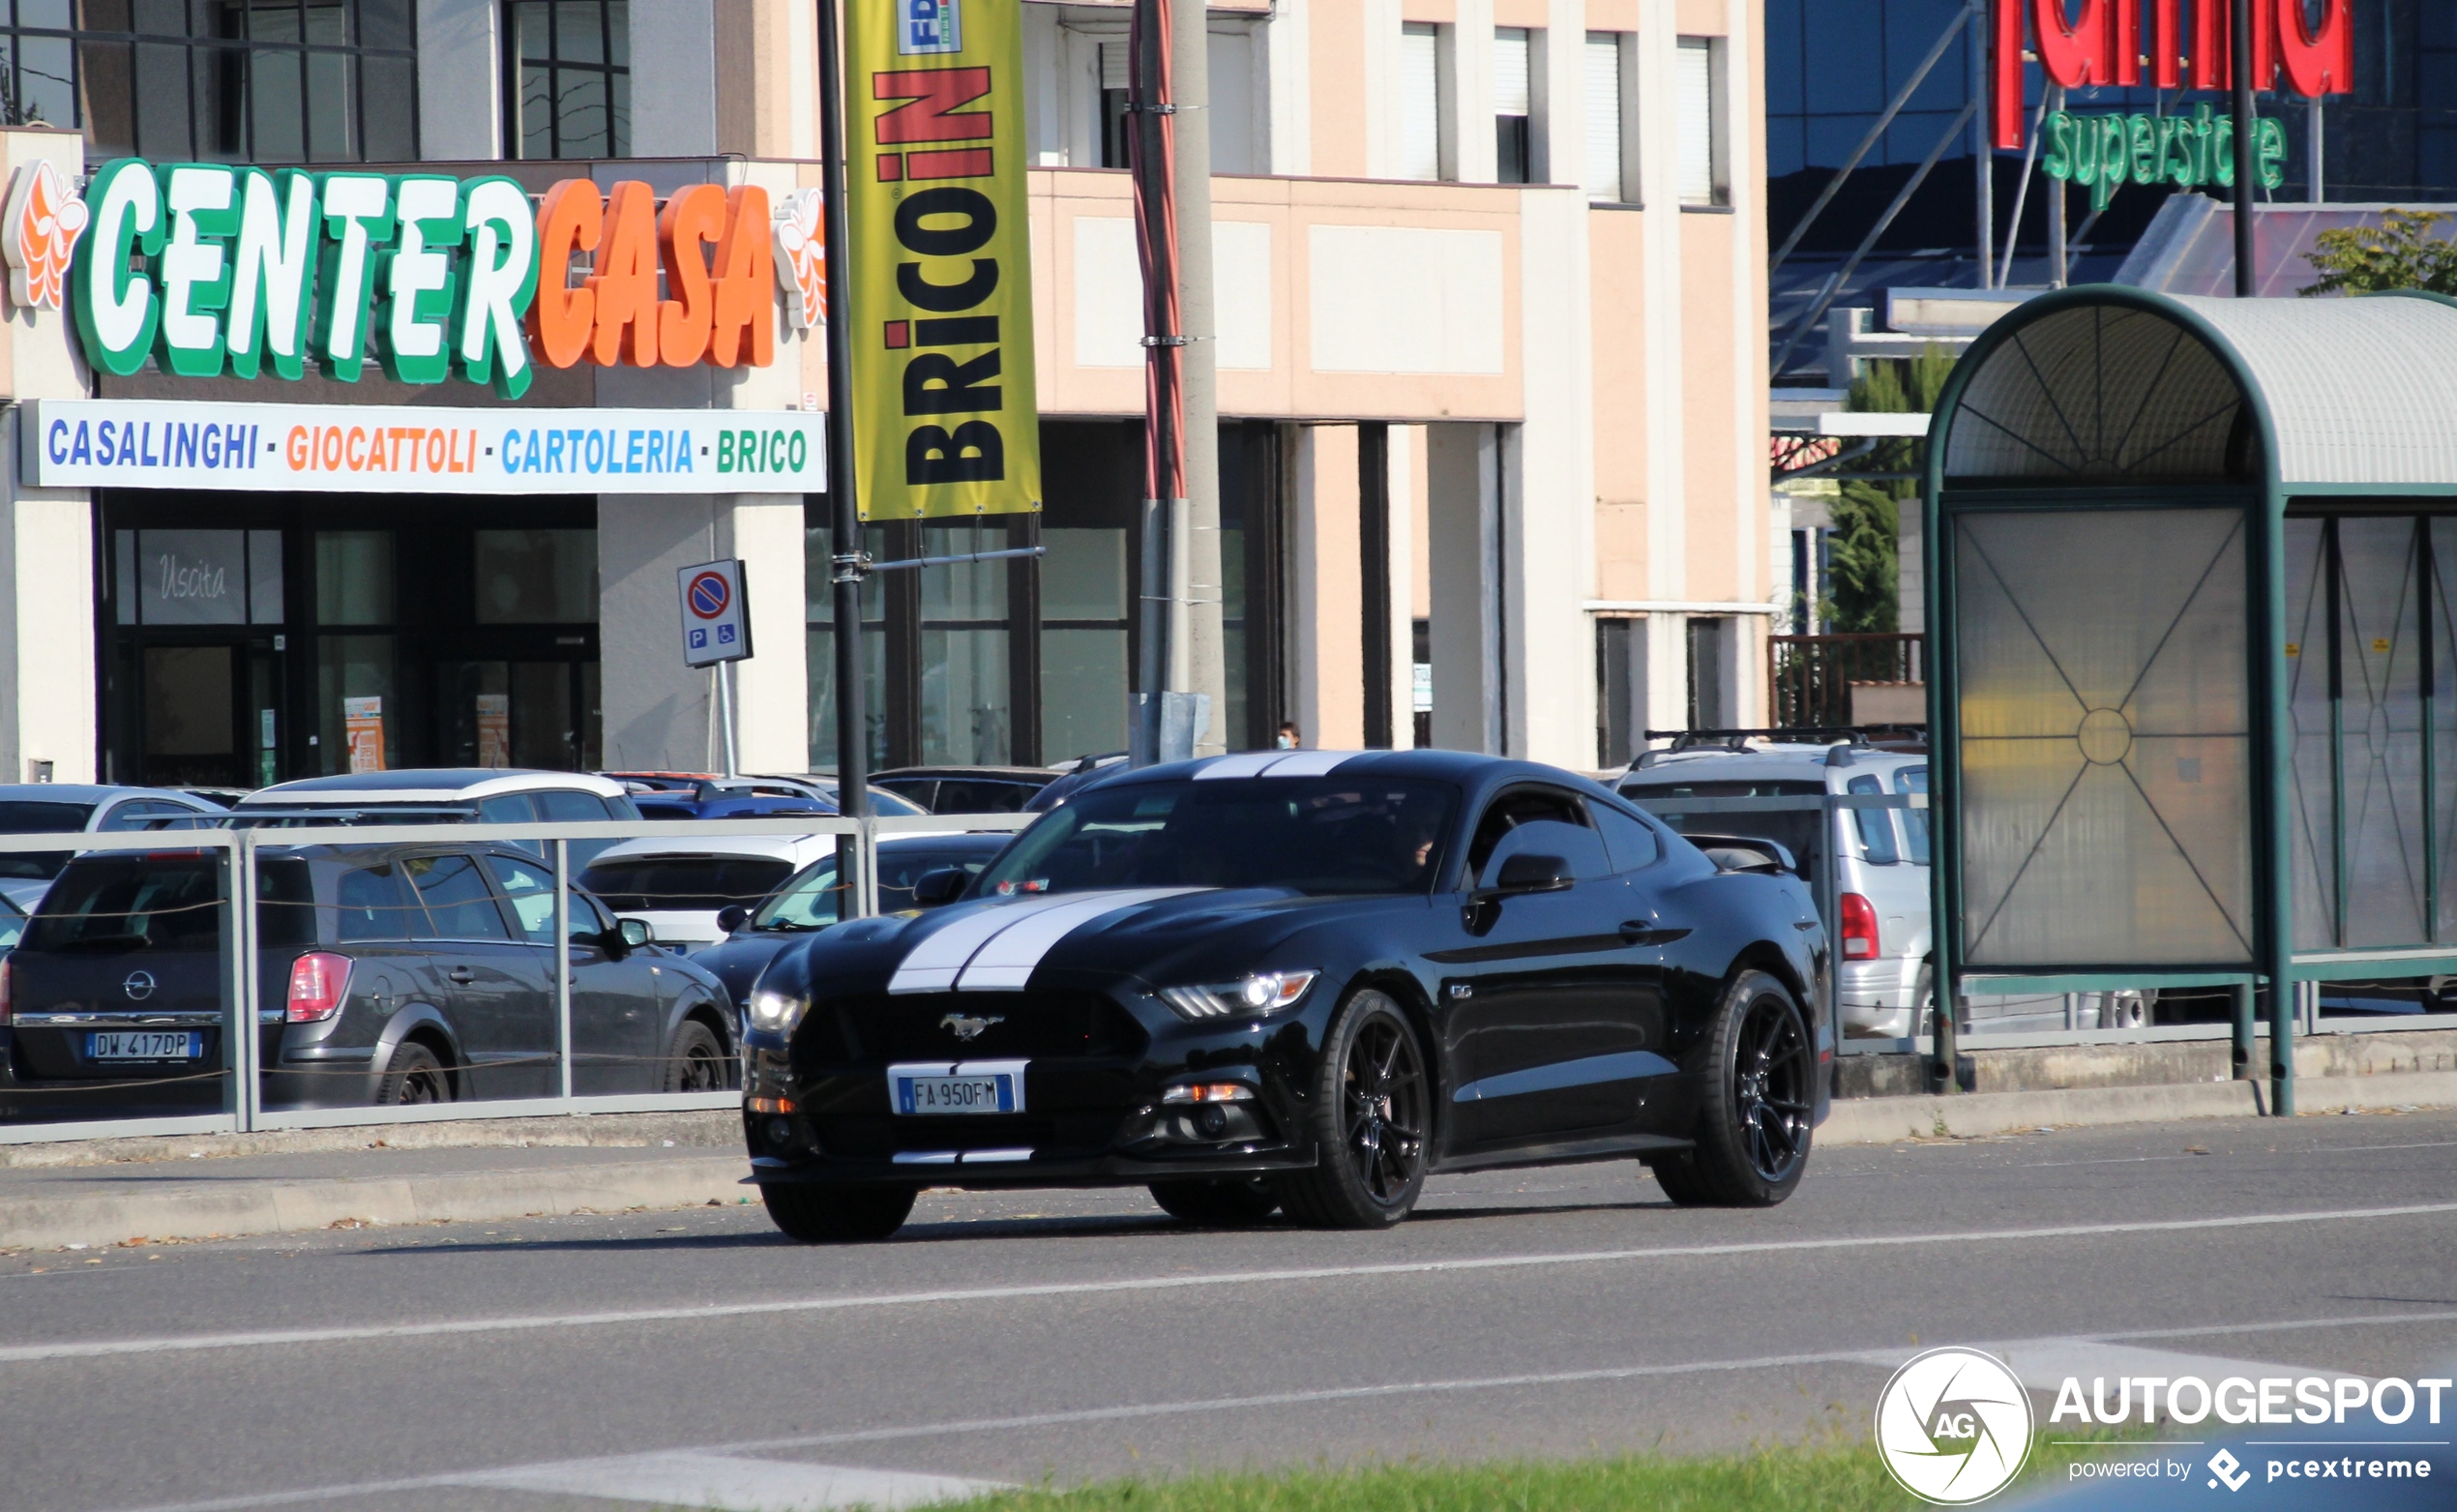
x=944 y=413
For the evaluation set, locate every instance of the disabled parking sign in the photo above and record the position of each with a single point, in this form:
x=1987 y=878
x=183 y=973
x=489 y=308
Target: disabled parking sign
x=716 y=613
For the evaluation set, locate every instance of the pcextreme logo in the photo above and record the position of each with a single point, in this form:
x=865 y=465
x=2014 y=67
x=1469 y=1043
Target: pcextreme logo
x=1953 y=1426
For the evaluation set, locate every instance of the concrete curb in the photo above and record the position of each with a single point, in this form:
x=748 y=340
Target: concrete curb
x=295 y=1206
x=1883 y=1120
x=291 y=1206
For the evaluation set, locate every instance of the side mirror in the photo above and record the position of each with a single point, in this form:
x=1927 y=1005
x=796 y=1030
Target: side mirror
x=626 y=936
x=945 y=885
x=1527 y=872
x=731 y=917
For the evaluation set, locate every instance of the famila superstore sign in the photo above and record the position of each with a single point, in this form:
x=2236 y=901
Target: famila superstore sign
x=208 y=269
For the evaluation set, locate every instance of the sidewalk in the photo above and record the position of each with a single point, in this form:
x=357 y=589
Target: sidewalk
x=202 y=1187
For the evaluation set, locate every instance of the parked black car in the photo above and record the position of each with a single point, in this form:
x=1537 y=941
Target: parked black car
x=1304 y=979
x=807 y=901
x=968 y=789
x=403 y=973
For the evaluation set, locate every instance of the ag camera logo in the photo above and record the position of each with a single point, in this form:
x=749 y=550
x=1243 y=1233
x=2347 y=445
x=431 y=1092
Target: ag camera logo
x=1953 y=1426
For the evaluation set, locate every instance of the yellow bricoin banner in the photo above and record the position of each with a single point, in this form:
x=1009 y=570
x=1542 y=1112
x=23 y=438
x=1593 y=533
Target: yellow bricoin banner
x=941 y=316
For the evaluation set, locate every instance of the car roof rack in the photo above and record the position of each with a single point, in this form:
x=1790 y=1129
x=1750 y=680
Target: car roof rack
x=1843 y=739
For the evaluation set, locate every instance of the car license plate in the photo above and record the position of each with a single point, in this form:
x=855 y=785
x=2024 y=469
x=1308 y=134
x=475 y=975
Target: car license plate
x=935 y=1089
x=145 y=1044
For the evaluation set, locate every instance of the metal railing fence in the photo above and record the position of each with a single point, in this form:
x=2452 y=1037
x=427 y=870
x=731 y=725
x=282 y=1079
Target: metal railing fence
x=239 y=856
x=1809 y=677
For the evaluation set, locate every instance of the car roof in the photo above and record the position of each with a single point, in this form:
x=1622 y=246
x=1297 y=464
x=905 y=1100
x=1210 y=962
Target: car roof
x=1477 y=773
x=91 y=792
x=1800 y=762
x=1036 y=774
x=426 y=785
x=796 y=850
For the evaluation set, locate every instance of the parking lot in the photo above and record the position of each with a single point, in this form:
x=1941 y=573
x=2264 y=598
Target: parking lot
x=1080 y=1335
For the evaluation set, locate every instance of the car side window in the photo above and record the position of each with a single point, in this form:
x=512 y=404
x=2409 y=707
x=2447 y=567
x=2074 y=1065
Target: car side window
x=1627 y=839
x=1516 y=807
x=1910 y=780
x=372 y=905
x=560 y=807
x=530 y=890
x=132 y=814
x=457 y=898
x=1876 y=826
x=510 y=808
x=1578 y=844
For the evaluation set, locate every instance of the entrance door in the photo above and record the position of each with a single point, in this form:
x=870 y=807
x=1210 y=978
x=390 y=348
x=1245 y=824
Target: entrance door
x=540 y=714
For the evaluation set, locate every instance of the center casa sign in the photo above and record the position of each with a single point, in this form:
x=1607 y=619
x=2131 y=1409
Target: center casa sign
x=2122 y=44
x=208 y=269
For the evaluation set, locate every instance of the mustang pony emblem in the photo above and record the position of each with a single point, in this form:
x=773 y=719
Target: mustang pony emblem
x=969 y=1028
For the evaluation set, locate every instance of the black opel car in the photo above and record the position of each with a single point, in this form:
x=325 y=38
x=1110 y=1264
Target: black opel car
x=1300 y=980
x=406 y=973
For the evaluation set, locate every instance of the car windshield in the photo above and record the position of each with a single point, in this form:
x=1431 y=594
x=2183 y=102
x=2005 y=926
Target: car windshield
x=1795 y=828
x=1313 y=835
x=648 y=884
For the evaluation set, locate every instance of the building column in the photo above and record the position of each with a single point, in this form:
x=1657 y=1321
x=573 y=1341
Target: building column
x=1401 y=577
x=1462 y=467
x=1550 y=490
x=1326 y=696
x=460 y=92
x=661 y=715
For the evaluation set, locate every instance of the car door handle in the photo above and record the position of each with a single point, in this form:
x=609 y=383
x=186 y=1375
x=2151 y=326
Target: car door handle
x=461 y=975
x=1645 y=931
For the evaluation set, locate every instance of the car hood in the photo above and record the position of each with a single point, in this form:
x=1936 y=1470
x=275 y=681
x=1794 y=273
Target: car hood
x=1153 y=936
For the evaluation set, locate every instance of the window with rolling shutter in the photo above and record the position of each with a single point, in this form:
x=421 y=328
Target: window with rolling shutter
x=1514 y=142
x=1420 y=102
x=1703 y=179
x=1115 y=121
x=1604 y=121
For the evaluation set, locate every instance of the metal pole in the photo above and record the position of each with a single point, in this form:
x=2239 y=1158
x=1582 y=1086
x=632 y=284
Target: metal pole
x=1205 y=671
x=1983 y=157
x=2315 y=153
x=247 y=1098
x=852 y=721
x=2240 y=34
x=1152 y=112
x=2241 y=1056
x=563 y=963
x=2059 y=256
x=724 y=715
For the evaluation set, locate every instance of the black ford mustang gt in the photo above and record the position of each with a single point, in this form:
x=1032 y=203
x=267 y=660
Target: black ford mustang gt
x=1302 y=981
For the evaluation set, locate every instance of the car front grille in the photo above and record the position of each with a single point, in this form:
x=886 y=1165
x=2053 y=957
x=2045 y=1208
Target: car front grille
x=880 y=1028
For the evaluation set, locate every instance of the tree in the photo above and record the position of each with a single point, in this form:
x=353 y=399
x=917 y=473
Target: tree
x=1864 y=571
x=2400 y=252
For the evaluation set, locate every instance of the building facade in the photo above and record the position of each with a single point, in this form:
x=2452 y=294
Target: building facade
x=1493 y=403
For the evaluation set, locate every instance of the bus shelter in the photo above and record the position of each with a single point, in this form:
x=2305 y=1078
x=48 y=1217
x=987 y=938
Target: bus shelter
x=2193 y=696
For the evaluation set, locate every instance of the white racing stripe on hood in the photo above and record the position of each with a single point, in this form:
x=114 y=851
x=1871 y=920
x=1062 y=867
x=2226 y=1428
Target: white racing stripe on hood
x=1005 y=963
x=1249 y=764
x=1277 y=763
x=930 y=967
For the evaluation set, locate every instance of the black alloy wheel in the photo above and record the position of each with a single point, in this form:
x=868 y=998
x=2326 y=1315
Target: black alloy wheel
x=814 y=1214
x=695 y=1062
x=1755 y=1116
x=1225 y=1204
x=1372 y=1119
x=416 y=1077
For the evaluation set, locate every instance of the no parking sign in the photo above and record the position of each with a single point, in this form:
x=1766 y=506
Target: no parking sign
x=716 y=613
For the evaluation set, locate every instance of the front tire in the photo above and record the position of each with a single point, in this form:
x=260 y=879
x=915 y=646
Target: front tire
x=813 y=1214
x=695 y=1062
x=1231 y=1204
x=1754 y=1120
x=1371 y=1119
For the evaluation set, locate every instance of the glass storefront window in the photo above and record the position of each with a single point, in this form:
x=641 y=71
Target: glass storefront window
x=353 y=576
x=358 y=706
x=964 y=703
x=819 y=641
x=1084 y=640
x=536 y=576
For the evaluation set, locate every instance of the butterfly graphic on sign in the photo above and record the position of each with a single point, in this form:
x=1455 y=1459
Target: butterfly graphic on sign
x=801 y=257
x=37 y=234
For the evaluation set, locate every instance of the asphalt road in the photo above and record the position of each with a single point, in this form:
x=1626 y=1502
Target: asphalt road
x=696 y=1358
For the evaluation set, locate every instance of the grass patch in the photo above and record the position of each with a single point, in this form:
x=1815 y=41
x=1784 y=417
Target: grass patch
x=1833 y=1478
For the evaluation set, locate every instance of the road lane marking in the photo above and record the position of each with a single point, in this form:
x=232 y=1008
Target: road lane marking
x=97 y=1348
x=1884 y=1358
x=727 y=1483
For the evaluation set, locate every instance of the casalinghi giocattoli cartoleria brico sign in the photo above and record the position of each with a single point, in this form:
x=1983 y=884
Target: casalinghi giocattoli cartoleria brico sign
x=207 y=269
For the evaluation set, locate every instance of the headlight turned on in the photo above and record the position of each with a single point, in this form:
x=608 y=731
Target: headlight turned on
x=776 y=1013
x=1264 y=994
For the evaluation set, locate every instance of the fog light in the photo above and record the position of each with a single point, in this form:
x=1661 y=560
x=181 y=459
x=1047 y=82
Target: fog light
x=1211 y=1120
x=780 y=1132
x=1210 y=1092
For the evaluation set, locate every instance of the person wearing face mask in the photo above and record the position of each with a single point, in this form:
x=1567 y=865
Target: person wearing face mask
x=1288 y=737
